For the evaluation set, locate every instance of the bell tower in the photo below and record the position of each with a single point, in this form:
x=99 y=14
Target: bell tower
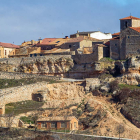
x=129 y=22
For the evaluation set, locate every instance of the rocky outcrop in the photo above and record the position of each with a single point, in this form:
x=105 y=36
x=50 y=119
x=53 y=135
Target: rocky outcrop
x=129 y=78
x=91 y=84
x=131 y=110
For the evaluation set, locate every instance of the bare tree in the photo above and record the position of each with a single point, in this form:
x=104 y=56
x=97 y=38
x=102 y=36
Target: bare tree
x=120 y=129
x=9 y=119
x=35 y=117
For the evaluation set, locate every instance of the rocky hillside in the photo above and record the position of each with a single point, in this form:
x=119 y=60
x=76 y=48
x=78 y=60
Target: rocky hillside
x=96 y=109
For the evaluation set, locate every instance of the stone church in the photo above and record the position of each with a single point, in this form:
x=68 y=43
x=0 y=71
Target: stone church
x=127 y=42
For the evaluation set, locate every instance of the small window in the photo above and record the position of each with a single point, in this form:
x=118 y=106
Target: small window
x=69 y=46
x=13 y=53
x=53 y=125
x=74 y=124
x=57 y=41
x=128 y=37
x=63 y=125
x=0 y=52
x=5 y=52
x=126 y=24
x=43 y=125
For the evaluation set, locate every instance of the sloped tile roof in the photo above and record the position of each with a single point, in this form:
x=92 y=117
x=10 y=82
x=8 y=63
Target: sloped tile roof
x=130 y=17
x=8 y=45
x=57 y=118
x=116 y=33
x=55 y=50
x=59 y=41
x=46 y=41
x=136 y=29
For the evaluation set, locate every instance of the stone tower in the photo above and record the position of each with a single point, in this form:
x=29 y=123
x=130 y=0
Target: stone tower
x=129 y=22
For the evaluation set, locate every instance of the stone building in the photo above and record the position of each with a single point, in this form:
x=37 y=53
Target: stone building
x=80 y=44
x=127 y=42
x=58 y=123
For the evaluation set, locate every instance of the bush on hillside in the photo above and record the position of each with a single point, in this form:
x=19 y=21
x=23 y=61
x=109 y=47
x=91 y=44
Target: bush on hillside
x=113 y=85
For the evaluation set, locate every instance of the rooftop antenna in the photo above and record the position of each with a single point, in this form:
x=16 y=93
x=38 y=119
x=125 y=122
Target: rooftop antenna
x=130 y=14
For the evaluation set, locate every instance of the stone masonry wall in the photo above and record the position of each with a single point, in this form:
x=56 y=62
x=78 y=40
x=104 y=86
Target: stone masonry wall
x=20 y=93
x=115 y=49
x=123 y=41
x=16 y=75
x=133 y=45
x=89 y=58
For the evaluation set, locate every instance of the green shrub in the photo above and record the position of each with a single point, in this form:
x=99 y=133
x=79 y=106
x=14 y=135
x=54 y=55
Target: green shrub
x=113 y=85
x=27 y=120
x=22 y=107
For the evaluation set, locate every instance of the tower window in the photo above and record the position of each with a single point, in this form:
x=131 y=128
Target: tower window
x=126 y=24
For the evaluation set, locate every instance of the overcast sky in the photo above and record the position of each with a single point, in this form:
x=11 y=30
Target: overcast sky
x=30 y=19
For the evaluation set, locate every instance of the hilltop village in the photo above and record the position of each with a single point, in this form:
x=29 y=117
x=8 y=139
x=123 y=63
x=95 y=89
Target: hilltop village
x=86 y=83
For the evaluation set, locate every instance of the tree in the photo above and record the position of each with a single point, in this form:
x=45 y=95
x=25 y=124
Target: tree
x=35 y=117
x=9 y=119
x=113 y=85
x=120 y=129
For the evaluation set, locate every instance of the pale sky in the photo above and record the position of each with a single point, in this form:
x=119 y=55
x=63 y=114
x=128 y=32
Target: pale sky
x=30 y=19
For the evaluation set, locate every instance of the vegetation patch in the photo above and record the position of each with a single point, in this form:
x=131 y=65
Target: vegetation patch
x=132 y=87
x=106 y=59
x=22 y=107
x=27 y=120
x=104 y=76
x=6 y=83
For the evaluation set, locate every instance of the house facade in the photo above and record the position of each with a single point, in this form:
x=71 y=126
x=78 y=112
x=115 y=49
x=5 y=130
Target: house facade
x=58 y=123
x=79 y=44
x=6 y=49
x=127 y=42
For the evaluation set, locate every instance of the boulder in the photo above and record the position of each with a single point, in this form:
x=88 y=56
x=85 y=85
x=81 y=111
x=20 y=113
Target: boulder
x=105 y=88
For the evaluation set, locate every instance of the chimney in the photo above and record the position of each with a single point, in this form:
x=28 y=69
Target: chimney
x=66 y=37
x=32 y=42
x=77 y=35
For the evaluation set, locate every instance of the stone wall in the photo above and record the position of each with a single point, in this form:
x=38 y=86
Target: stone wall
x=133 y=45
x=125 y=23
x=20 y=93
x=54 y=94
x=115 y=49
x=85 y=58
x=98 y=53
x=16 y=75
x=125 y=44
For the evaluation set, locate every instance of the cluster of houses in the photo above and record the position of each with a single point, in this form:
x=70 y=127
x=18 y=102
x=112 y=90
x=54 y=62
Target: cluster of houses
x=79 y=43
x=116 y=46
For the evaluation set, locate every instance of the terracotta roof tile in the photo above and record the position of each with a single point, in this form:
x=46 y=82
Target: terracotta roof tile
x=136 y=29
x=130 y=17
x=57 y=118
x=46 y=41
x=8 y=45
x=116 y=33
x=55 y=50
